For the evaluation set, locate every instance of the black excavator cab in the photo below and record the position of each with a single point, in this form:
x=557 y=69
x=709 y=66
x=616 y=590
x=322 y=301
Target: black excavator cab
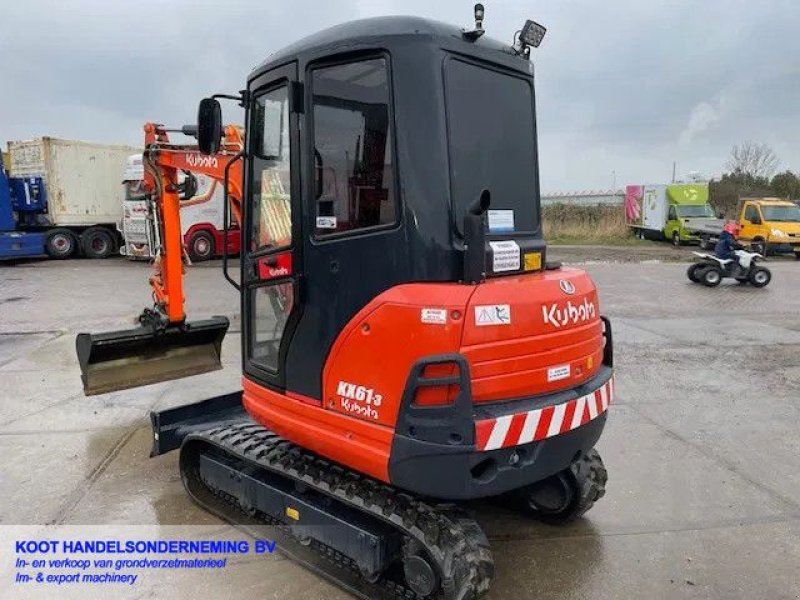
x=359 y=175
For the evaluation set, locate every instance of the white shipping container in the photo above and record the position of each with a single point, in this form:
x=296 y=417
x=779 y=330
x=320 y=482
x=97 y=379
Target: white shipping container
x=83 y=180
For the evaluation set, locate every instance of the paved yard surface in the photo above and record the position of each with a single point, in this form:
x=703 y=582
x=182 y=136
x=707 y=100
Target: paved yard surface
x=702 y=445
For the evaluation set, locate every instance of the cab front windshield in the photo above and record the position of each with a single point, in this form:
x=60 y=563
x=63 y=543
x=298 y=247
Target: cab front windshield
x=134 y=190
x=695 y=211
x=790 y=214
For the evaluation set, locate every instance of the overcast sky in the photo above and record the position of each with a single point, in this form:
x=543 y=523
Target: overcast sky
x=623 y=86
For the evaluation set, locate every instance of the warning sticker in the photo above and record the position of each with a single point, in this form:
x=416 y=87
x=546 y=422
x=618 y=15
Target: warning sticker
x=434 y=316
x=493 y=314
x=505 y=256
x=556 y=373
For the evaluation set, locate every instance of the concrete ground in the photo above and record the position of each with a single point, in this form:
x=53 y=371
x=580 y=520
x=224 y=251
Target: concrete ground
x=702 y=444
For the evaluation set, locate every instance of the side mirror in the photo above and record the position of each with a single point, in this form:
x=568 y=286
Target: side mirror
x=189 y=188
x=209 y=126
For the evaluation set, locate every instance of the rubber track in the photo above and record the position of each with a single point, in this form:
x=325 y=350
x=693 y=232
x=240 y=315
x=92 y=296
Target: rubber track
x=587 y=477
x=452 y=539
x=591 y=476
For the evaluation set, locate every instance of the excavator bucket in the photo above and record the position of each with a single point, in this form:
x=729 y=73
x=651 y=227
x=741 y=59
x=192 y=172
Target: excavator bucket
x=119 y=360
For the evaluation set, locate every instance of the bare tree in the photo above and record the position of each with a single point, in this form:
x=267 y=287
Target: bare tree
x=754 y=159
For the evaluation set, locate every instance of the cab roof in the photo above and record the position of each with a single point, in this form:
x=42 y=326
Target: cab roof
x=770 y=201
x=376 y=31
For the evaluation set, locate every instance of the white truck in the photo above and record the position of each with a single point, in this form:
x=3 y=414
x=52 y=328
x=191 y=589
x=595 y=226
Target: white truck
x=81 y=201
x=201 y=217
x=674 y=212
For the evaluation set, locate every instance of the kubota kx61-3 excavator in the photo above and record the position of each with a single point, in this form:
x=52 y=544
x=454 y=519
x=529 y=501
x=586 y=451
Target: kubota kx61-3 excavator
x=405 y=344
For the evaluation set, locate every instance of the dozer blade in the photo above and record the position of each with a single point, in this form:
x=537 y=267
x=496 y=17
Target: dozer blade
x=119 y=360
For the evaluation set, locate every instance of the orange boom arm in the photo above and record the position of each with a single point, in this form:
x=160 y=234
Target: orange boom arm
x=163 y=160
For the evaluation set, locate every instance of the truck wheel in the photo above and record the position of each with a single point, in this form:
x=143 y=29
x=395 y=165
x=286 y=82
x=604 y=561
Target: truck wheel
x=97 y=242
x=60 y=243
x=759 y=246
x=676 y=239
x=201 y=246
x=705 y=243
x=710 y=276
x=759 y=277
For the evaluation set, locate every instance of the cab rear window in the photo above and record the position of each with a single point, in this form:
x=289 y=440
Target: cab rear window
x=492 y=143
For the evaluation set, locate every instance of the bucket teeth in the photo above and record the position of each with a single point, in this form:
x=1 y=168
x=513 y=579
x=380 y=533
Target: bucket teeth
x=119 y=360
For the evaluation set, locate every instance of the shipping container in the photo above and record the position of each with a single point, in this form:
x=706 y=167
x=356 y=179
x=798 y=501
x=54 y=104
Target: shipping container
x=83 y=180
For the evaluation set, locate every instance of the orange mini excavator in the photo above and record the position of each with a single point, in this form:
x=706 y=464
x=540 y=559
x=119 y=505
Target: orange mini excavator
x=405 y=343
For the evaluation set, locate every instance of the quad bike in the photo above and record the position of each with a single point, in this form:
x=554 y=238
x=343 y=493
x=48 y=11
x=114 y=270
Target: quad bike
x=710 y=270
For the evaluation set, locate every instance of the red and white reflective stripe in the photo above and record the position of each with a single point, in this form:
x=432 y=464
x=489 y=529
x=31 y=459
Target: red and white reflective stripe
x=543 y=423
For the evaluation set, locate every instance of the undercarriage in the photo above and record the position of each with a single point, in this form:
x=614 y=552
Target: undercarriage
x=369 y=538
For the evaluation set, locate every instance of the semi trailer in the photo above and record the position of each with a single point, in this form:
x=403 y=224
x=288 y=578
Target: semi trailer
x=61 y=198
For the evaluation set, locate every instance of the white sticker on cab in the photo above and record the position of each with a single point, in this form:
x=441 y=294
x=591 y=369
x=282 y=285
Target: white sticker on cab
x=505 y=256
x=434 y=316
x=501 y=221
x=559 y=372
x=493 y=314
x=326 y=222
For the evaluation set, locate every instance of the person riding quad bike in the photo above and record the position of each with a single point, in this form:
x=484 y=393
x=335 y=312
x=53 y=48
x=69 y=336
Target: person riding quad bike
x=727 y=245
x=730 y=259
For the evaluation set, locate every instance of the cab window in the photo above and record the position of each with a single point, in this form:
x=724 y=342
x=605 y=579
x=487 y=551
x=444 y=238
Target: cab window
x=751 y=213
x=271 y=201
x=672 y=216
x=490 y=114
x=353 y=158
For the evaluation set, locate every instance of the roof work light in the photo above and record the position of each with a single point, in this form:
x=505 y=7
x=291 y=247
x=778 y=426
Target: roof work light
x=532 y=34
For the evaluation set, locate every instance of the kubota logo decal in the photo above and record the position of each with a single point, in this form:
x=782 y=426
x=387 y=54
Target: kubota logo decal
x=566 y=286
x=359 y=400
x=560 y=316
x=278 y=271
x=196 y=160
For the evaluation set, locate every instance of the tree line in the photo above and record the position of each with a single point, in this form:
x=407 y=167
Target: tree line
x=751 y=170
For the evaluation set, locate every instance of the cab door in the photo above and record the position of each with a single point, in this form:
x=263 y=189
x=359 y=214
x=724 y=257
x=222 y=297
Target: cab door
x=673 y=224
x=270 y=261
x=751 y=222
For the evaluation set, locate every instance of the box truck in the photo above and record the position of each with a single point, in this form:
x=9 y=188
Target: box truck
x=671 y=212
x=62 y=198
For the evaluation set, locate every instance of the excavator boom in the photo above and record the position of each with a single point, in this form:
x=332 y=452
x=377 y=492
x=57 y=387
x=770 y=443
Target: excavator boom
x=165 y=345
